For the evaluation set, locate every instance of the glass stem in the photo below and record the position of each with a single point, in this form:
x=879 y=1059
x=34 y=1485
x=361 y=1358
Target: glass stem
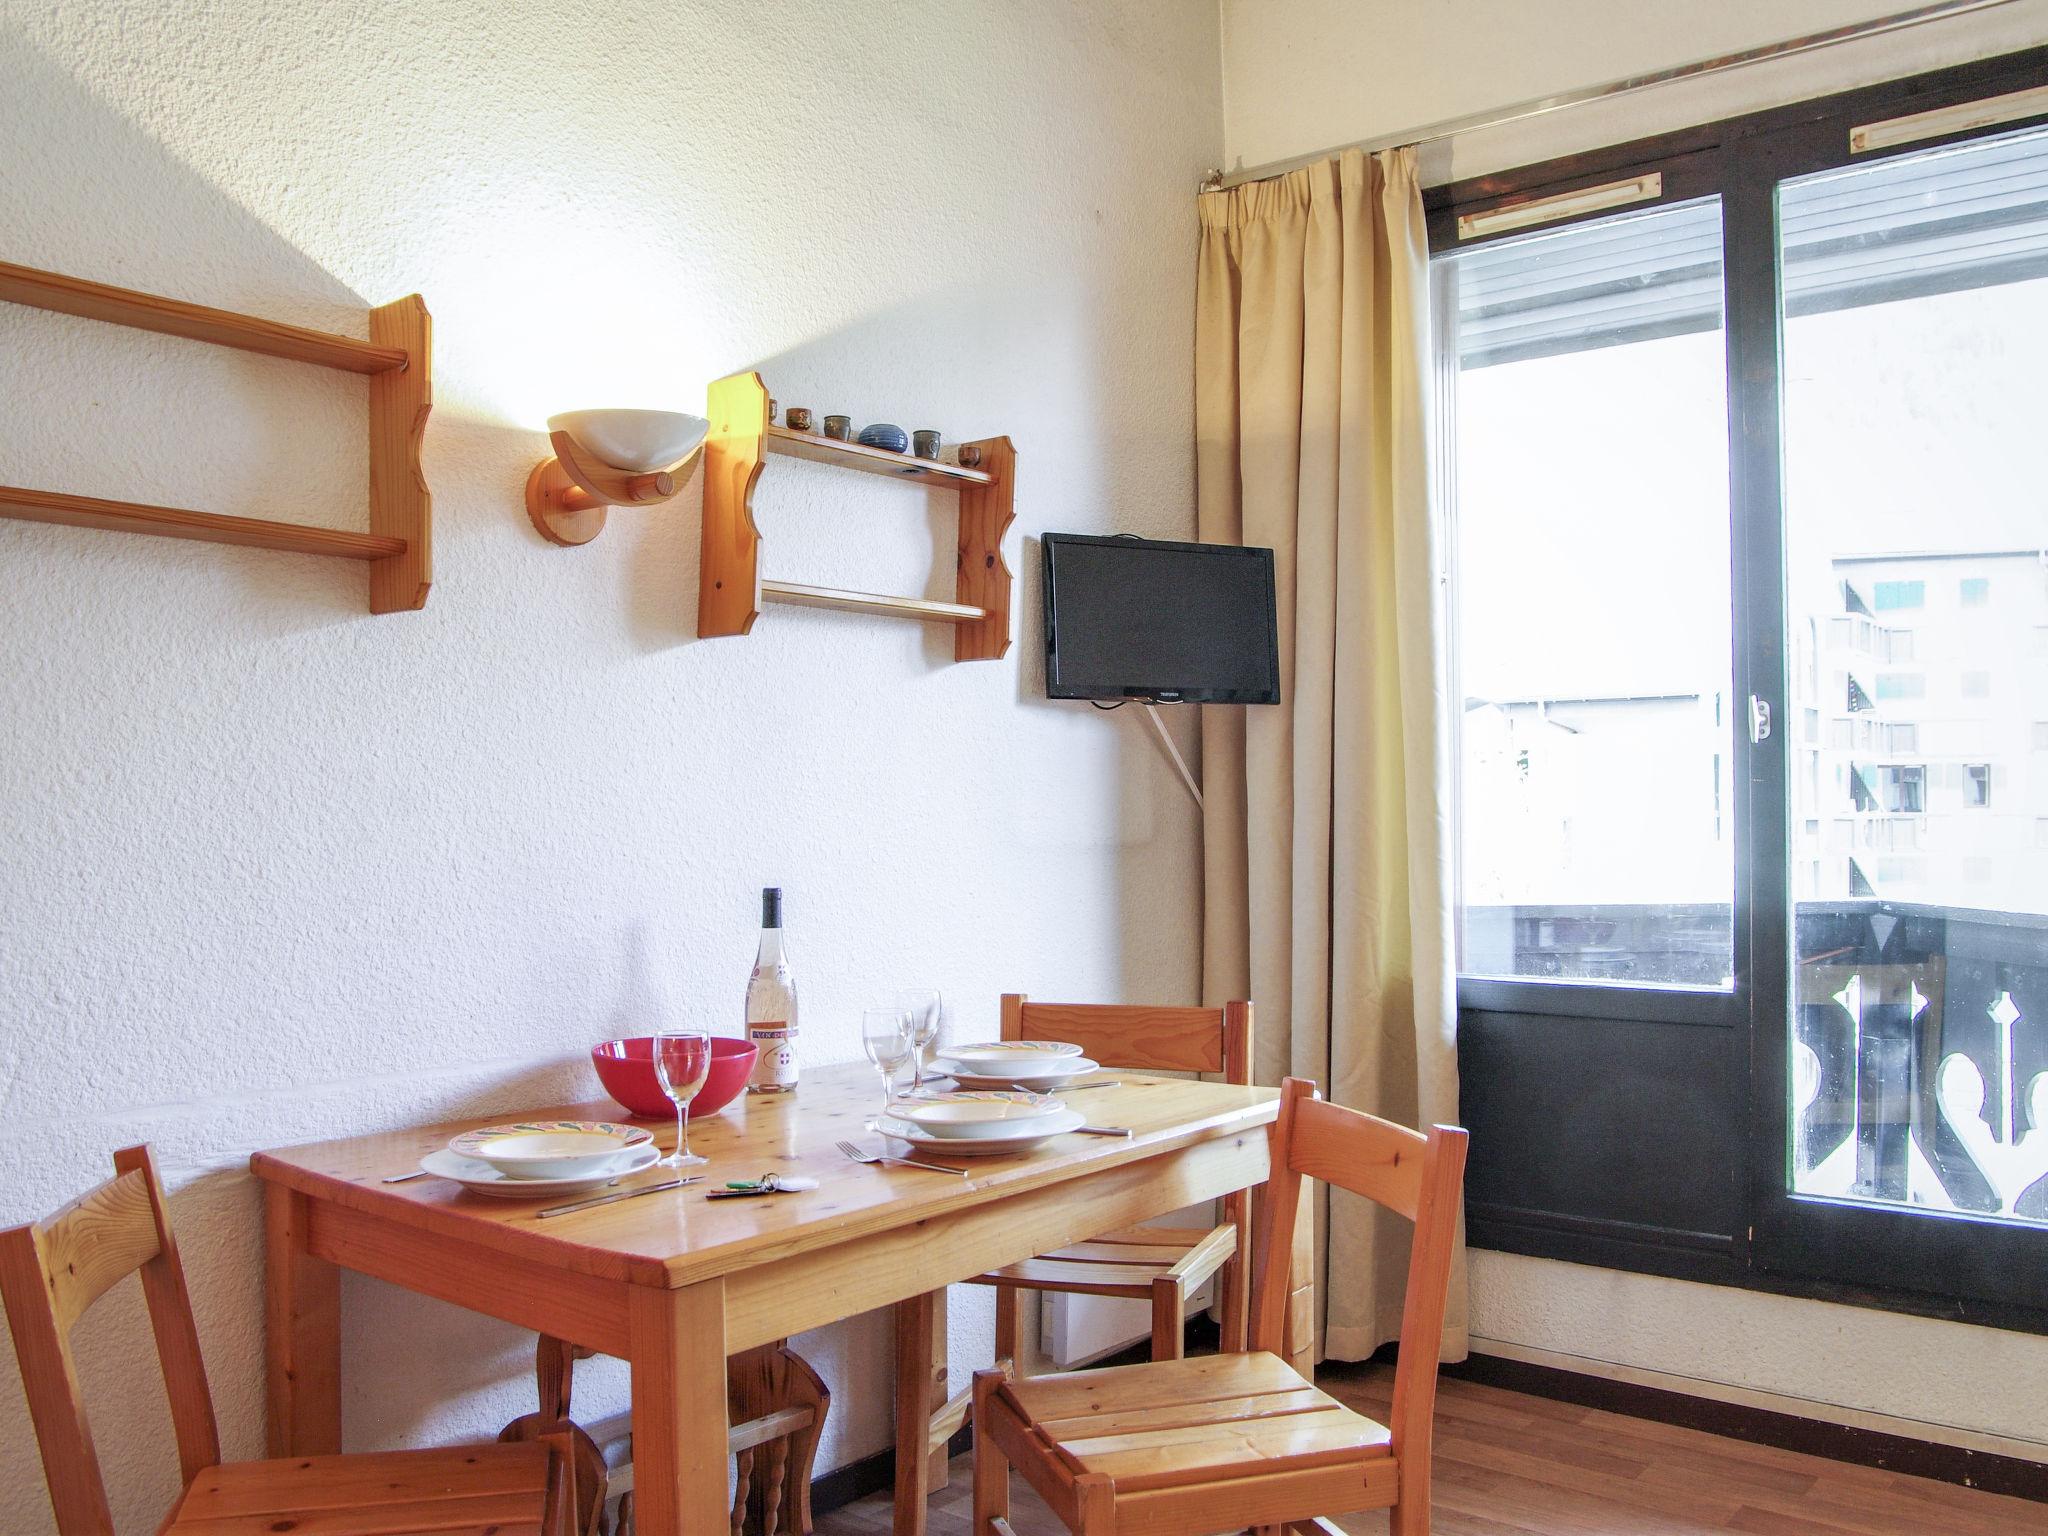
x=681 y=1133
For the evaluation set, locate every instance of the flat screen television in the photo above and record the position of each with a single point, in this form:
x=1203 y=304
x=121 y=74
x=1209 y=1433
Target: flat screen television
x=1130 y=618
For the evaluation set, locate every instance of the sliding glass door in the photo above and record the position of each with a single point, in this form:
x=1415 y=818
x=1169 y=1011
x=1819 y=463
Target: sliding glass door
x=1596 y=830
x=1744 y=452
x=1913 y=315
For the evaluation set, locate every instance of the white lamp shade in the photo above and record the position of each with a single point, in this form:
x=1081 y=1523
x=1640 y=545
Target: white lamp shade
x=637 y=441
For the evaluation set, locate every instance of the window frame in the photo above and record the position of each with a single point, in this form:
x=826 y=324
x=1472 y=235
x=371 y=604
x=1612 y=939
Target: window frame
x=1966 y=1268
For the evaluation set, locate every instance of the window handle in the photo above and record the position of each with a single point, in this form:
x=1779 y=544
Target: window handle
x=1759 y=720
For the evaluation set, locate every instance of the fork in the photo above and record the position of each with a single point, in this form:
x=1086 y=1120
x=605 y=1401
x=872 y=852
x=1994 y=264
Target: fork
x=860 y=1156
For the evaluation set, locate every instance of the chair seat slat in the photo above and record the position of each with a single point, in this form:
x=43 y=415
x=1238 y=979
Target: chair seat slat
x=301 y=1484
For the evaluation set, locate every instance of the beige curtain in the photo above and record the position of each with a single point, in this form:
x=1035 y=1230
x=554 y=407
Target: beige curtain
x=1326 y=880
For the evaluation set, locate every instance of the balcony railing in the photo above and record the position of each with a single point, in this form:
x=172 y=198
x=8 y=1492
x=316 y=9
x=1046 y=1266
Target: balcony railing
x=1920 y=1057
x=1920 y=1033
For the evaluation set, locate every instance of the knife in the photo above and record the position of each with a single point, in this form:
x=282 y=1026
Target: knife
x=624 y=1194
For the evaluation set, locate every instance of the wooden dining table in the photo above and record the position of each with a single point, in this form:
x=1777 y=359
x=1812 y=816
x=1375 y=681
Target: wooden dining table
x=674 y=1283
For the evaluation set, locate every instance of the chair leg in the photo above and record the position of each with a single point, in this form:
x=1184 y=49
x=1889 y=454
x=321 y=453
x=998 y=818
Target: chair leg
x=1235 y=1277
x=1169 y=1340
x=991 y=1467
x=1006 y=1327
x=1095 y=1499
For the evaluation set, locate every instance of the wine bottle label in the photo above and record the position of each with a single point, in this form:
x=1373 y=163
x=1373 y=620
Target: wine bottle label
x=775 y=1067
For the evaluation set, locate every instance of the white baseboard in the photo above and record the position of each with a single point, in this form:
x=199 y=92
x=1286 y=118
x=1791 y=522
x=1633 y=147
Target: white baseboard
x=1773 y=1402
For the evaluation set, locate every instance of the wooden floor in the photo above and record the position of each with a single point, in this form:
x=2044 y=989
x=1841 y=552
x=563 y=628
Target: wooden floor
x=1509 y=1465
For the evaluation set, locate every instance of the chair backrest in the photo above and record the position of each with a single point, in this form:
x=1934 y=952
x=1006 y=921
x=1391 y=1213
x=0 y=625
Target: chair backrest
x=1422 y=1177
x=51 y=1272
x=1141 y=1038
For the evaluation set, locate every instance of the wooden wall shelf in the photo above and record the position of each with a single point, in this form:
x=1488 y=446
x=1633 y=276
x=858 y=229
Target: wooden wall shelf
x=207 y=527
x=730 y=587
x=873 y=461
x=871 y=602
x=398 y=360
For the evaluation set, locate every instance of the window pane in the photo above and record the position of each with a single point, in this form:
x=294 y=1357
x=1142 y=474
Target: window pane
x=1588 y=492
x=1916 y=318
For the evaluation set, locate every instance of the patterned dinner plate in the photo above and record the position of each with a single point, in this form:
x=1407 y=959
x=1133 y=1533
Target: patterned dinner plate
x=1020 y=1138
x=976 y=1112
x=481 y=1178
x=1042 y=1076
x=551 y=1149
x=1019 y=1058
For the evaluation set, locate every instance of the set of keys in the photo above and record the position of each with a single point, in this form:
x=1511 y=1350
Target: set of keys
x=767 y=1184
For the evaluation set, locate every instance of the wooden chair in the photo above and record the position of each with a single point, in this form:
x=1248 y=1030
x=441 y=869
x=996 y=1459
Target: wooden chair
x=1240 y=1440
x=52 y=1271
x=777 y=1407
x=1159 y=1265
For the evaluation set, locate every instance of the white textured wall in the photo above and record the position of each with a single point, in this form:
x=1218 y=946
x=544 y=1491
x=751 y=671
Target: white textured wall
x=1303 y=75
x=274 y=870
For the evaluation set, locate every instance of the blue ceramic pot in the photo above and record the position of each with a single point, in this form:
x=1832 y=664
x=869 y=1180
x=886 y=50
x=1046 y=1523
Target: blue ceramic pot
x=887 y=435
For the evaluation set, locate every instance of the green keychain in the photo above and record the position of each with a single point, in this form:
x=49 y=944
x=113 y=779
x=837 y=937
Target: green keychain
x=767 y=1184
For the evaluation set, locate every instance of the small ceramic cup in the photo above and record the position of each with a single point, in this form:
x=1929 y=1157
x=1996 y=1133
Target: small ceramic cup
x=840 y=427
x=798 y=419
x=970 y=456
x=924 y=442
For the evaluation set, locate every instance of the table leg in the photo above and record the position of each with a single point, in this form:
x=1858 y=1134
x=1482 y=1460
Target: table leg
x=680 y=1425
x=920 y=1388
x=302 y=1333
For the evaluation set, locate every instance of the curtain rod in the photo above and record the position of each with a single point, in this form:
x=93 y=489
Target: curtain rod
x=1218 y=180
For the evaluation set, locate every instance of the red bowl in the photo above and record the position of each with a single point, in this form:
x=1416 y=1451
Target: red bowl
x=626 y=1068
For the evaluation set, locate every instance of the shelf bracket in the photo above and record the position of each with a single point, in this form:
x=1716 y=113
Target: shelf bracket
x=401 y=506
x=729 y=556
x=984 y=580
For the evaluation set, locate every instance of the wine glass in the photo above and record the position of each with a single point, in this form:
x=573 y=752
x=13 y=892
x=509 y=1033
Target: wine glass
x=885 y=1035
x=922 y=1006
x=682 y=1060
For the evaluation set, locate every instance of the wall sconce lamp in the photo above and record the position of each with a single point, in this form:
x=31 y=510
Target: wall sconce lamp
x=609 y=459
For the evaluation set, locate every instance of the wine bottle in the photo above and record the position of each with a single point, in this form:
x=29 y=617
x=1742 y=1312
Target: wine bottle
x=771 y=1005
